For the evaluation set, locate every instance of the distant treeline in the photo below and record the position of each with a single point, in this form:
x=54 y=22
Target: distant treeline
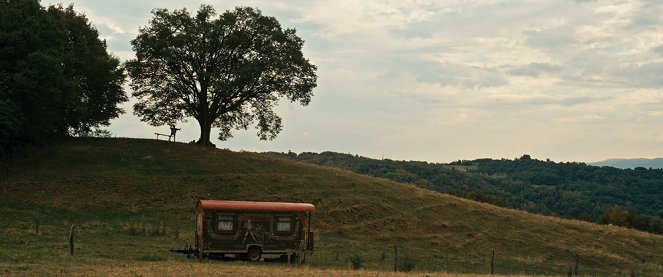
x=626 y=197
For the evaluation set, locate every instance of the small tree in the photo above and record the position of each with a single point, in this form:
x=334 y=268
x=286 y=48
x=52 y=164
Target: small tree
x=616 y=215
x=225 y=71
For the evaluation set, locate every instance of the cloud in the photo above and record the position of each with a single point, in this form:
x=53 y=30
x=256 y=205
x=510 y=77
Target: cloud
x=659 y=138
x=345 y=18
x=536 y=69
x=536 y=101
x=459 y=75
x=578 y=119
x=658 y=50
x=647 y=75
x=554 y=38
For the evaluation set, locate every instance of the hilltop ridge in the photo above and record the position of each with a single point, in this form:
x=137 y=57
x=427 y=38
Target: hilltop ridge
x=631 y=163
x=133 y=199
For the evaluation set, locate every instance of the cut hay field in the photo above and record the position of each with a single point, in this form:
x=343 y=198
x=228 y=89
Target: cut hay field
x=131 y=200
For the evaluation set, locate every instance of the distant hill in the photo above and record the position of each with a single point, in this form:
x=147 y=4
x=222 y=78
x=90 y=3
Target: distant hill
x=570 y=189
x=131 y=200
x=631 y=163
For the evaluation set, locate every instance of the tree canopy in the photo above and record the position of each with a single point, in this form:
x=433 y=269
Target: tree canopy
x=56 y=78
x=226 y=71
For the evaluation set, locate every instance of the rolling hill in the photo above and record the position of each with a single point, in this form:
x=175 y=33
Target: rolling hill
x=564 y=189
x=631 y=163
x=133 y=199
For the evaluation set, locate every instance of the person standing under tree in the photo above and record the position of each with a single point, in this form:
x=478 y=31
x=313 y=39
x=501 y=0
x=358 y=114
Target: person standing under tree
x=173 y=130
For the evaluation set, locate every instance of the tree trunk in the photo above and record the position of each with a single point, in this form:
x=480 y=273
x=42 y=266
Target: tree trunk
x=205 y=131
x=204 y=117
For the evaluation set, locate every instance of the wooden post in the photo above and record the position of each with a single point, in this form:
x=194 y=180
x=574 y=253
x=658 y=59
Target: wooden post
x=71 y=240
x=395 y=258
x=492 y=262
x=576 y=269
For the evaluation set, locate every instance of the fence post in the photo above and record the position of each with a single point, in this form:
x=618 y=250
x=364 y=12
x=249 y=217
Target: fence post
x=71 y=240
x=576 y=269
x=492 y=262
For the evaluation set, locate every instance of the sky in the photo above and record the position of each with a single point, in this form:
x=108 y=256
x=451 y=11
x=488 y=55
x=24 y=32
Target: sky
x=440 y=81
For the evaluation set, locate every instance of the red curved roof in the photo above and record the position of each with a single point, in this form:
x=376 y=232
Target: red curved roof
x=254 y=206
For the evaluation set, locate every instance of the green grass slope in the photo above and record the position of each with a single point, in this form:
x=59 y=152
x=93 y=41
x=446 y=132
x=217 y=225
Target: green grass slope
x=131 y=200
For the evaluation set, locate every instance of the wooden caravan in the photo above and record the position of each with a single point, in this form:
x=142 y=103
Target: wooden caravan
x=251 y=229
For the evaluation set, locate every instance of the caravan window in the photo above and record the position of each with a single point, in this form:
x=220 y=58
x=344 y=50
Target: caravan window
x=284 y=224
x=225 y=222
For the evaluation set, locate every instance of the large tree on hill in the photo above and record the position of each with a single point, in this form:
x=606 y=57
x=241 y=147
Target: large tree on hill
x=226 y=71
x=56 y=78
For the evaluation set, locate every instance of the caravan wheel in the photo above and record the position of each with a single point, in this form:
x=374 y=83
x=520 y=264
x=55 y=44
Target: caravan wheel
x=254 y=254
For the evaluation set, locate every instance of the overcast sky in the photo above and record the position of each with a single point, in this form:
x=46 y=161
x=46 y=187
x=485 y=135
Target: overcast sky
x=453 y=79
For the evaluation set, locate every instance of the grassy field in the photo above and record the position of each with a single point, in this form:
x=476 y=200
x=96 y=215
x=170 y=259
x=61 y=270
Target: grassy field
x=131 y=200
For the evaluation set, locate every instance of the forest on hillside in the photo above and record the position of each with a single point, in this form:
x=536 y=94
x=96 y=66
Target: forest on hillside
x=627 y=197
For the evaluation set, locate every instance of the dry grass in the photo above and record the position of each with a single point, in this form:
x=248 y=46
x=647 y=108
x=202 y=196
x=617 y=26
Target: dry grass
x=195 y=268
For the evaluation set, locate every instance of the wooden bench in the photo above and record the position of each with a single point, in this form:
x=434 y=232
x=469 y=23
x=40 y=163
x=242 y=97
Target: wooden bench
x=173 y=131
x=162 y=135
